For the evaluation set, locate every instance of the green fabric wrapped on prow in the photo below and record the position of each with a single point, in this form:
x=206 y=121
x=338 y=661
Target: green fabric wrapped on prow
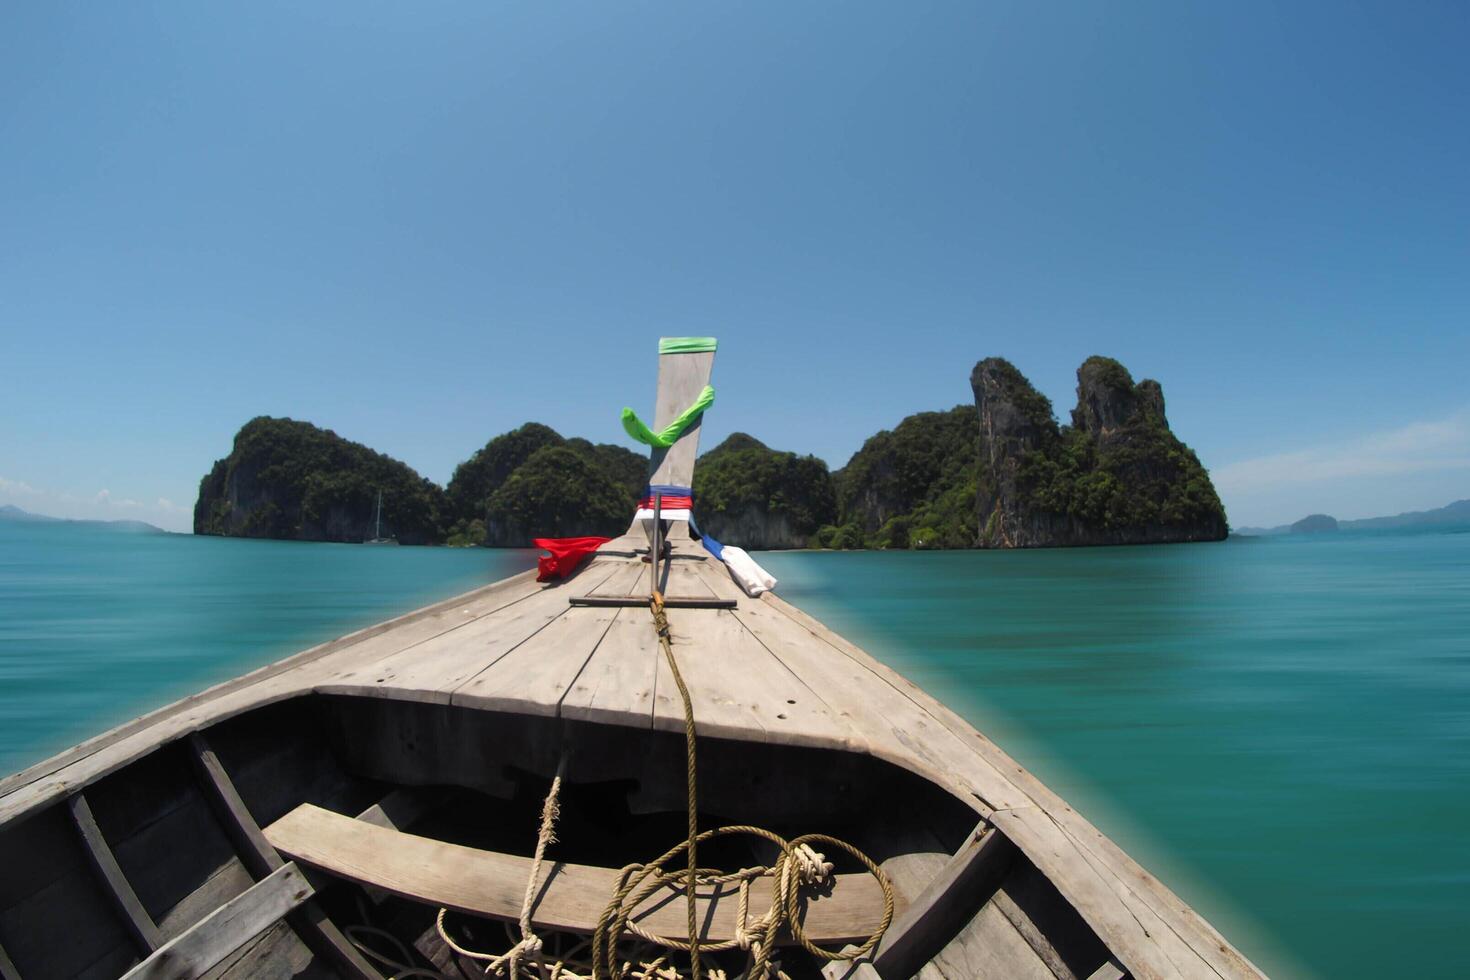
x=685 y=345
x=670 y=433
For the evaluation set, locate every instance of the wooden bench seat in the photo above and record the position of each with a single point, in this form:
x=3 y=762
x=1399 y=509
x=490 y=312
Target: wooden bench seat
x=571 y=896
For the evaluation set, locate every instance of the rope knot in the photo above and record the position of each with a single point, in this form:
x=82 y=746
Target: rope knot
x=812 y=867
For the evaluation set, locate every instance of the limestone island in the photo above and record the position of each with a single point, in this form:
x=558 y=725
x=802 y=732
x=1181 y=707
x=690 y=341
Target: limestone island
x=1000 y=472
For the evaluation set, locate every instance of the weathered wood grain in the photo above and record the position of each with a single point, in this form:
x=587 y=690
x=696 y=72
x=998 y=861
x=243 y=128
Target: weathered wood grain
x=681 y=377
x=738 y=689
x=232 y=925
x=277 y=953
x=884 y=721
x=1057 y=856
x=1110 y=970
x=115 y=884
x=403 y=807
x=572 y=897
x=533 y=677
x=1034 y=937
x=617 y=684
x=987 y=946
x=233 y=814
x=943 y=908
x=227 y=881
x=630 y=577
x=431 y=671
x=316 y=930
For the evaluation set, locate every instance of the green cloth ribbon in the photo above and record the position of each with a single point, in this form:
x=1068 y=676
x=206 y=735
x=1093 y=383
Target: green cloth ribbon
x=685 y=345
x=671 y=432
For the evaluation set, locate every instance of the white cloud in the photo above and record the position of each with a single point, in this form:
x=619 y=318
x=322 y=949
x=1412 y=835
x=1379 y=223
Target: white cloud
x=102 y=505
x=17 y=487
x=1415 y=467
x=1423 y=447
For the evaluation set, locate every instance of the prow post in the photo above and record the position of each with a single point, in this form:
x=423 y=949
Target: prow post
x=684 y=368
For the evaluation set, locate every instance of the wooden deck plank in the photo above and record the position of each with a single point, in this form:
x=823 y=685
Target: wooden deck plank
x=988 y=946
x=1056 y=855
x=533 y=677
x=232 y=925
x=738 y=689
x=681 y=578
x=431 y=671
x=571 y=897
x=278 y=954
x=1110 y=970
x=1037 y=939
x=885 y=721
x=940 y=912
x=617 y=684
x=630 y=579
x=110 y=874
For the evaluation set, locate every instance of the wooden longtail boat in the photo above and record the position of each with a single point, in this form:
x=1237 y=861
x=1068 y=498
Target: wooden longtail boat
x=314 y=817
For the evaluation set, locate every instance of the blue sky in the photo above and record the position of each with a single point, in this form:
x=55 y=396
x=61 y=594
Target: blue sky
x=421 y=225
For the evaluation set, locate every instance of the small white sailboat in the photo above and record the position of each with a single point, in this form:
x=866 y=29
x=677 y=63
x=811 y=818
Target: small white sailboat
x=377 y=537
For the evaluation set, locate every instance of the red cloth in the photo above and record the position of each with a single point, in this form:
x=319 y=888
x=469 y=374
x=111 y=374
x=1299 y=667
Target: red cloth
x=668 y=503
x=566 y=555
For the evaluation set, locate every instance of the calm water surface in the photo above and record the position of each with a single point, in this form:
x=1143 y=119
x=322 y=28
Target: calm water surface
x=1280 y=728
x=99 y=625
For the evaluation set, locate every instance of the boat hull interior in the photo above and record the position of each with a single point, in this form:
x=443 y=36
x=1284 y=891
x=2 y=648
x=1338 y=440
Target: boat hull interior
x=478 y=779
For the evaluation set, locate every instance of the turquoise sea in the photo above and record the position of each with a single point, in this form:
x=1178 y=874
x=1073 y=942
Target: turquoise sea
x=1280 y=728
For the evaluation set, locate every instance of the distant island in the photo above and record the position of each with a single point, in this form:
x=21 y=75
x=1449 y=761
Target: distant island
x=1315 y=524
x=998 y=473
x=12 y=513
x=1455 y=514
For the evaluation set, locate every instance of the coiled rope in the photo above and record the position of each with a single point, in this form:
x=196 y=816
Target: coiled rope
x=799 y=864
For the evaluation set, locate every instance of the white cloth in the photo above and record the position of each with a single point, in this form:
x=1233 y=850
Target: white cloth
x=752 y=578
x=646 y=514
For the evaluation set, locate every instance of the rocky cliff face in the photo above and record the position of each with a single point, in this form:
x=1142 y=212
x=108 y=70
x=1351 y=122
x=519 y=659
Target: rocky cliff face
x=749 y=495
x=1116 y=475
x=289 y=479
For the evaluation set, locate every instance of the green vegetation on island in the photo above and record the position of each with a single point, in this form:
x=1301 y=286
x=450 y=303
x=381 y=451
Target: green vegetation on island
x=289 y=479
x=511 y=490
x=999 y=473
x=909 y=487
x=1116 y=475
x=750 y=495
